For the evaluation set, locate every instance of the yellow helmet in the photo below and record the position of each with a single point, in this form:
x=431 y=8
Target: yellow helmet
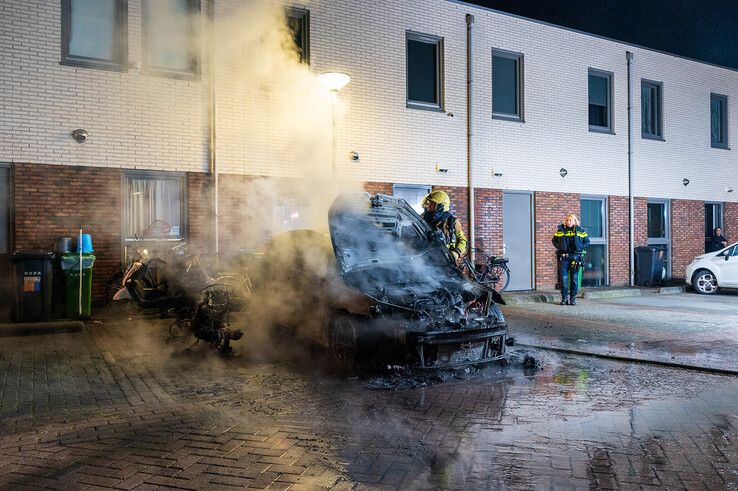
x=440 y=198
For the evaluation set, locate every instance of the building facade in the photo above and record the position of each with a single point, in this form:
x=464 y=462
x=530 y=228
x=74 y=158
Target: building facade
x=208 y=115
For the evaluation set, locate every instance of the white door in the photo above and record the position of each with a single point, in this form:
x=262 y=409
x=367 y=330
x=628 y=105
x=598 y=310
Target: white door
x=411 y=193
x=517 y=238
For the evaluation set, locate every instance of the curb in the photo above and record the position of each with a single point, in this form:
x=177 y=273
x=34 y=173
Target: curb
x=672 y=290
x=531 y=298
x=40 y=328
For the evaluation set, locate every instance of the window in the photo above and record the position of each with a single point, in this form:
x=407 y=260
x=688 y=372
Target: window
x=171 y=36
x=659 y=230
x=424 y=71
x=155 y=204
x=507 y=85
x=594 y=222
x=95 y=33
x=651 y=117
x=298 y=21
x=412 y=194
x=600 y=101
x=719 y=121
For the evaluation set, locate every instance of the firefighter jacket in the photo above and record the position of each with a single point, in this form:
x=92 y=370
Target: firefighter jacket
x=572 y=240
x=449 y=225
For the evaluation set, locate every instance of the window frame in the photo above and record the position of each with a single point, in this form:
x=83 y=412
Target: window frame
x=659 y=86
x=440 y=92
x=180 y=177
x=119 y=63
x=610 y=77
x=302 y=15
x=604 y=240
x=196 y=56
x=723 y=122
x=666 y=240
x=519 y=83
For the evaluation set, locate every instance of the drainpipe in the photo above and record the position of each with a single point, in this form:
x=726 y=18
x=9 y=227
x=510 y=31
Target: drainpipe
x=469 y=128
x=212 y=162
x=631 y=200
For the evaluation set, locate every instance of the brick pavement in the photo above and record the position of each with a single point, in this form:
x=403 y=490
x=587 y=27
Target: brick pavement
x=117 y=408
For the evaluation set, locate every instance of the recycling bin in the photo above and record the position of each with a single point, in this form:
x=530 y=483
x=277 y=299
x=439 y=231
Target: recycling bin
x=33 y=280
x=77 y=305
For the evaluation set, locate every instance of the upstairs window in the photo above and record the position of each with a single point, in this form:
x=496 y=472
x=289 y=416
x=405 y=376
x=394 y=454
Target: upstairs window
x=719 y=121
x=600 y=101
x=651 y=116
x=95 y=33
x=171 y=36
x=424 y=71
x=507 y=85
x=298 y=21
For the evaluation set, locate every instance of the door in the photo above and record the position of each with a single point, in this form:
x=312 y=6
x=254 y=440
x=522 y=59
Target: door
x=659 y=229
x=517 y=238
x=411 y=193
x=5 y=279
x=594 y=222
x=713 y=220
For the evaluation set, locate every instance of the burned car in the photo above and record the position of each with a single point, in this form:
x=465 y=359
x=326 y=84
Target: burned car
x=384 y=286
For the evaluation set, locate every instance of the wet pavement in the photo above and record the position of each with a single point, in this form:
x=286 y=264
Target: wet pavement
x=116 y=407
x=689 y=329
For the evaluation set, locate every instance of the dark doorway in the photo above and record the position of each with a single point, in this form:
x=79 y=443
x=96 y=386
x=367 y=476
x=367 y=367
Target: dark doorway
x=713 y=219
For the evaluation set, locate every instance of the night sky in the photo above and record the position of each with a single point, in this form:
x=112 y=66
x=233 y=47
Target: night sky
x=706 y=30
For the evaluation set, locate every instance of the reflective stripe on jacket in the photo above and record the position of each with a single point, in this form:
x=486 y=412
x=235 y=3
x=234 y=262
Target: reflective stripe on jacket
x=570 y=240
x=455 y=240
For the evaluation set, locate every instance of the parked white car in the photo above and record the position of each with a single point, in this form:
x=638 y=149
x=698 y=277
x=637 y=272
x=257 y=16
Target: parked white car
x=709 y=272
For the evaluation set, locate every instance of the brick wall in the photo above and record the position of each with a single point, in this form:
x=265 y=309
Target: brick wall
x=550 y=209
x=618 y=240
x=459 y=203
x=730 y=221
x=640 y=218
x=688 y=233
x=54 y=201
x=488 y=220
x=378 y=188
x=200 y=210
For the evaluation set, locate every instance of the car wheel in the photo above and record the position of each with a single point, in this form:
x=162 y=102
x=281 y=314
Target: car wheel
x=705 y=283
x=344 y=341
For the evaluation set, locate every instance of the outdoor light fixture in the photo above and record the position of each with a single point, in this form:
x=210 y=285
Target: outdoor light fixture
x=334 y=81
x=563 y=172
x=79 y=135
x=354 y=156
x=730 y=190
x=685 y=181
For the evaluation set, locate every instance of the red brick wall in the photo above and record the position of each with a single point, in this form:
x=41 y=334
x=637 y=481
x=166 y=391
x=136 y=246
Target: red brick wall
x=488 y=220
x=200 y=210
x=640 y=218
x=688 y=233
x=459 y=203
x=618 y=240
x=53 y=201
x=378 y=188
x=550 y=209
x=730 y=221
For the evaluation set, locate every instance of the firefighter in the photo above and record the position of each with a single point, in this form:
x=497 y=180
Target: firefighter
x=570 y=241
x=437 y=214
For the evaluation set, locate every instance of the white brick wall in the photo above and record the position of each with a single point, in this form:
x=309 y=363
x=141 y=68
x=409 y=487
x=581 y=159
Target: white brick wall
x=271 y=127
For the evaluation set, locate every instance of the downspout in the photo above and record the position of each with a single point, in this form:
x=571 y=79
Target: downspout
x=212 y=161
x=631 y=200
x=469 y=128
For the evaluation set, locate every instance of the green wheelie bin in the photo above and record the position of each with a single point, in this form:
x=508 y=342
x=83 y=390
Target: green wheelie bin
x=77 y=306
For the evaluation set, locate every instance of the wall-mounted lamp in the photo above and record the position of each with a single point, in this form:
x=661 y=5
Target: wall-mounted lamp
x=334 y=81
x=354 y=156
x=440 y=169
x=563 y=172
x=79 y=135
x=498 y=174
x=685 y=181
x=729 y=190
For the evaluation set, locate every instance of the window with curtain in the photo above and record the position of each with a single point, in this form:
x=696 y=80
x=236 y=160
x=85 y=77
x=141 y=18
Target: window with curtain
x=719 y=121
x=600 y=101
x=651 y=115
x=95 y=33
x=507 y=85
x=171 y=36
x=154 y=206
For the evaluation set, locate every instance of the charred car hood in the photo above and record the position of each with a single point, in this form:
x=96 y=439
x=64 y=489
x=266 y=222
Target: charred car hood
x=387 y=251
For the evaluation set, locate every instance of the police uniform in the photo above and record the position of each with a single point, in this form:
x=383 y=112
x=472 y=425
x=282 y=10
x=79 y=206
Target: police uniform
x=570 y=243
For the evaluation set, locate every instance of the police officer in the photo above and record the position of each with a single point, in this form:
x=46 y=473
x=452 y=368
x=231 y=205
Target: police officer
x=437 y=214
x=570 y=241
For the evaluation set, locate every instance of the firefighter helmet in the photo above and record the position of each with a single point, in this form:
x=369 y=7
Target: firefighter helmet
x=440 y=198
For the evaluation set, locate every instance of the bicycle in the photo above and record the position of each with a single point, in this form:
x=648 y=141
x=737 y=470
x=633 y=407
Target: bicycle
x=491 y=271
